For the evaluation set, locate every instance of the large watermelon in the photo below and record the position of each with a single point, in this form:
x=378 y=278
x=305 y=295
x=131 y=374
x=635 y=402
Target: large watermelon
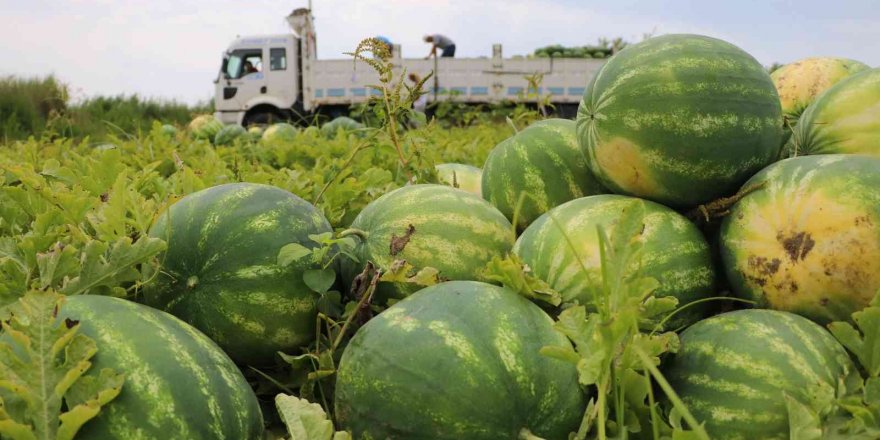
x=541 y=163
x=219 y=272
x=205 y=127
x=565 y=241
x=343 y=123
x=458 y=360
x=465 y=177
x=807 y=240
x=437 y=226
x=280 y=132
x=800 y=82
x=178 y=383
x=228 y=134
x=733 y=371
x=679 y=119
x=843 y=119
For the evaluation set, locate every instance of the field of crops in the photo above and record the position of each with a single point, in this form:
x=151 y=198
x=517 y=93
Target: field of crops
x=696 y=256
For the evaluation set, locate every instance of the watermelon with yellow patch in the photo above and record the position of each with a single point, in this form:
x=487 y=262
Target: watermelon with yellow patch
x=562 y=247
x=437 y=226
x=536 y=169
x=843 y=119
x=680 y=120
x=178 y=383
x=205 y=127
x=735 y=371
x=806 y=239
x=461 y=176
x=459 y=360
x=220 y=272
x=800 y=82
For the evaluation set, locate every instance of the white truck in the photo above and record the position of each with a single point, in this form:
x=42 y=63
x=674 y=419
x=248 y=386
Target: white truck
x=266 y=78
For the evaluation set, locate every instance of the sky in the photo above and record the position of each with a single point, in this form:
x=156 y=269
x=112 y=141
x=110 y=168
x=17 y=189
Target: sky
x=171 y=49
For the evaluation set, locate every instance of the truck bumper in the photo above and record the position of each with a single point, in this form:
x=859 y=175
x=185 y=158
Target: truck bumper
x=228 y=118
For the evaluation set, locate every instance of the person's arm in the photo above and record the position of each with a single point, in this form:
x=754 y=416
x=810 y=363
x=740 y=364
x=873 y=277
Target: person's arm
x=433 y=51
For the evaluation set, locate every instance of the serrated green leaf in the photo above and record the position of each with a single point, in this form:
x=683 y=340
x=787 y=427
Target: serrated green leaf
x=403 y=272
x=305 y=420
x=804 y=423
x=319 y=280
x=512 y=273
x=109 y=267
x=42 y=363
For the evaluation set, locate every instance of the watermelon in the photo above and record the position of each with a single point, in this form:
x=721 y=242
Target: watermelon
x=168 y=130
x=843 y=119
x=437 y=226
x=205 y=127
x=465 y=177
x=565 y=241
x=800 y=82
x=178 y=383
x=544 y=165
x=807 y=240
x=434 y=367
x=280 y=132
x=220 y=274
x=680 y=120
x=734 y=370
x=228 y=134
x=343 y=123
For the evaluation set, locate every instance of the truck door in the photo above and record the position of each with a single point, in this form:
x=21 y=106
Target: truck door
x=244 y=76
x=281 y=73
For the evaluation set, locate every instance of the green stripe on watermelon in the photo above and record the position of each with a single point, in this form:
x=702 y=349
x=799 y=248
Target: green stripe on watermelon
x=674 y=251
x=178 y=383
x=679 y=119
x=544 y=164
x=434 y=367
x=807 y=240
x=732 y=370
x=843 y=119
x=461 y=176
x=219 y=272
x=437 y=226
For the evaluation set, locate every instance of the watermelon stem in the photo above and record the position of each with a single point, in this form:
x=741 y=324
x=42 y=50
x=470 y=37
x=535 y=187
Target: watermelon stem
x=698 y=428
x=359 y=233
x=525 y=434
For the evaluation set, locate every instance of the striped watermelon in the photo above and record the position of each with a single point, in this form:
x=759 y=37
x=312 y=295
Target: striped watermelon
x=800 y=82
x=679 y=119
x=544 y=164
x=438 y=226
x=219 y=272
x=280 y=132
x=733 y=370
x=434 y=367
x=461 y=176
x=674 y=251
x=343 y=123
x=205 y=127
x=843 y=119
x=178 y=383
x=228 y=134
x=808 y=240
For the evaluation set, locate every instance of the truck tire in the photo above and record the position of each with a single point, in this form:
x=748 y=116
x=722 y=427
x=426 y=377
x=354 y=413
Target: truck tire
x=266 y=117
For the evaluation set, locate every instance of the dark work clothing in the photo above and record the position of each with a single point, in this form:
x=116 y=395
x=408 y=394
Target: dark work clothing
x=448 y=51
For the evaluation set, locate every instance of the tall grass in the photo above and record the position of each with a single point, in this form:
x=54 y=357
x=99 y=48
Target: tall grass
x=41 y=107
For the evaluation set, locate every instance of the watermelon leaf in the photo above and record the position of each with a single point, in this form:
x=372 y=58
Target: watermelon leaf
x=105 y=267
x=42 y=366
x=865 y=345
x=319 y=280
x=305 y=420
x=291 y=253
x=512 y=273
x=804 y=423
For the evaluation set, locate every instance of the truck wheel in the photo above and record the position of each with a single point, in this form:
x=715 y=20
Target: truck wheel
x=263 y=118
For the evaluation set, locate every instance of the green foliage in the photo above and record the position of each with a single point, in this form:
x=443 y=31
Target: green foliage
x=44 y=392
x=27 y=105
x=512 y=273
x=306 y=421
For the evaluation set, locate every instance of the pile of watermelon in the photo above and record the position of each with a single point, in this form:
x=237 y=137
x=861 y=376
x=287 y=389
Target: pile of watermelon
x=753 y=187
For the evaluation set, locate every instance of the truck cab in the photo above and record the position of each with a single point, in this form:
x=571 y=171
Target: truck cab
x=258 y=80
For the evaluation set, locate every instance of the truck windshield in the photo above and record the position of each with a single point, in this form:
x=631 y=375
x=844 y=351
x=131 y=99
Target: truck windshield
x=243 y=62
